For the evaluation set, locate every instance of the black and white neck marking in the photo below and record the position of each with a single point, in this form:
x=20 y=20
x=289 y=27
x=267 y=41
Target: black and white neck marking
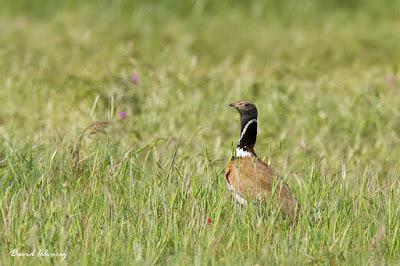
x=248 y=136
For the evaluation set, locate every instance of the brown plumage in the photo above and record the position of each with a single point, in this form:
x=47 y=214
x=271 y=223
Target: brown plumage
x=247 y=176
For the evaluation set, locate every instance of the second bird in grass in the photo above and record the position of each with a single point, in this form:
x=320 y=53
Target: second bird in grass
x=247 y=176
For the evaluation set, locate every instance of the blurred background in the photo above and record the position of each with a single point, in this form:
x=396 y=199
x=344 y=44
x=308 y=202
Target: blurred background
x=324 y=74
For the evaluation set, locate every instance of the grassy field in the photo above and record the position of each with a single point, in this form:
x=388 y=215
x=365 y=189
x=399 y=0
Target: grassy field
x=149 y=188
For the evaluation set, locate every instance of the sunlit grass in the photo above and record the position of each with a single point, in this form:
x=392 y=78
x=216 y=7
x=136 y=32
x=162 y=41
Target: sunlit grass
x=144 y=189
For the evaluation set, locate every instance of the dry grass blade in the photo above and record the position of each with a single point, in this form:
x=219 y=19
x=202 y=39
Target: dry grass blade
x=92 y=129
x=110 y=207
x=2 y=159
x=378 y=238
x=96 y=127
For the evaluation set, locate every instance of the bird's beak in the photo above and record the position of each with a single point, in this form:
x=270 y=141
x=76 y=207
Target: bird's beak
x=232 y=105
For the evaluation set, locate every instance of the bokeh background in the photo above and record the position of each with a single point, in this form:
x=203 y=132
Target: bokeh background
x=323 y=74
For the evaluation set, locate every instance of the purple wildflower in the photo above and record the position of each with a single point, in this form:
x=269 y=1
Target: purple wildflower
x=391 y=80
x=123 y=115
x=135 y=78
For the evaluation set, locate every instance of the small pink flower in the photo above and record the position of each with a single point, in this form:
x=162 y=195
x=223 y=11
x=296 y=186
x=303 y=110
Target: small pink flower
x=123 y=115
x=391 y=80
x=135 y=78
x=209 y=221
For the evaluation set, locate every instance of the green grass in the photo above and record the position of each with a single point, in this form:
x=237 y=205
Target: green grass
x=324 y=75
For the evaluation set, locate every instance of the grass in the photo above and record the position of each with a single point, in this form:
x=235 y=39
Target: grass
x=324 y=75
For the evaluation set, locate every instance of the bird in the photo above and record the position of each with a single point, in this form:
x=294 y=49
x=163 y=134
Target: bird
x=247 y=176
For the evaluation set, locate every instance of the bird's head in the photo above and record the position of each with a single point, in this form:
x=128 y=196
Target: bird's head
x=245 y=109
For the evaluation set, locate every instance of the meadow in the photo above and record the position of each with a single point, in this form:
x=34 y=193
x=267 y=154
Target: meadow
x=115 y=130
